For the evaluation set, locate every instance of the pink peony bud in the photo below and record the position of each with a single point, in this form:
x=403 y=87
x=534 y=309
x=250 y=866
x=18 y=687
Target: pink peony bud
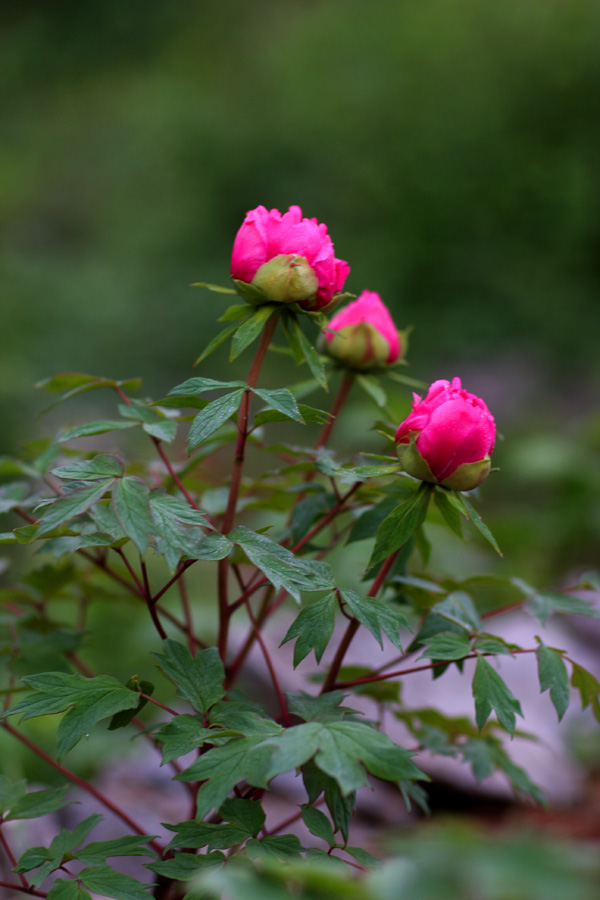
x=286 y=259
x=448 y=438
x=363 y=335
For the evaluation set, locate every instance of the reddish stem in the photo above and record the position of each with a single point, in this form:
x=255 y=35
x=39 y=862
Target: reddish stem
x=187 y=614
x=27 y=890
x=131 y=570
x=290 y=820
x=83 y=784
x=236 y=479
x=434 y=665
x=174 y=474
x=270 y=666
x=151 y=699
x=342 y=394
x=504 y=609
x=353 y=627
x=151 y=602
x=12 y=857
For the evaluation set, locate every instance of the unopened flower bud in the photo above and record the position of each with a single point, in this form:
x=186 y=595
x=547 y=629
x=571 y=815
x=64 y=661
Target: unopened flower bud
x=448 y=438
x=363 y=334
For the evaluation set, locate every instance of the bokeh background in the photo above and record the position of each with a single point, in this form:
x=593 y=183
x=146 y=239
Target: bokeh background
x=452 y=147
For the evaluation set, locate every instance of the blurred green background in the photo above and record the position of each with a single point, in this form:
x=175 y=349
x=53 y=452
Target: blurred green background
x=451 y=146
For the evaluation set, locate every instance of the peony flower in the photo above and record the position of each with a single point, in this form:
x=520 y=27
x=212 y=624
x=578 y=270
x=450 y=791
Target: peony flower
x=363 y=335
x=286 y=259
x=448 y=438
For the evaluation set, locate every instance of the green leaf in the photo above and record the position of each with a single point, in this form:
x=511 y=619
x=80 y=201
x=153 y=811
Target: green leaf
x=37 y=803
x=398 y=527
x=303 y=349
x=281 y=400
x=491 y=693
x=74 y=383
x=543 y=604
x=101 y=466
x=306 y=511
x=105 y=881
x=280 y=566
x=323 y=707
x=458 y=607
x=235 y=312
x=449 y=511
x=212 y=417
x=173 y=540
x=376 y=615
x=342 y=749
x=363 y=857
x=183 y=866
x=553 y=675
x=278 y=848
x=588 y=687
x=340 y=808
x=248 y=814
x=178 y=508
x=213 y=546
x=221 y=768
x=477 y=521
x=89 y=700
x=250 y=329
x=123 y=718
x=196 y=386
x=218 y=289
x=131 y=506
x=372 y=388
x=181 y=735
x=10 y=794
x=486 y=755
x=313 y=627
x=195 y=835
x=199 y=679
x=162 y=429
x=447 y=645
x=70 y=505
x=46 y=859
x=12 y=495
x=368 y=523
x=67 y=890
x=131 y=845
x=101 y=426
x=318 y=824
x=219 y=339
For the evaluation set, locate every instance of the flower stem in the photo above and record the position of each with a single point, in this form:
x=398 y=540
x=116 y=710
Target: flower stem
x=342 y=394
x=368 y=679
x=353 y=627
x=24 y=890
x=83 y=784
x=177 y=480
x=236 y=478
x=12 y=857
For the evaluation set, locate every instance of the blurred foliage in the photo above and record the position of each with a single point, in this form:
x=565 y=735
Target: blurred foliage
x=447 y=862
x=450 y=146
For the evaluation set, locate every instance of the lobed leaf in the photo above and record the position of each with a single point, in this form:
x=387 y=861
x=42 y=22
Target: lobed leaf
x=313 y=628
x=553 y=676
x=198 y=679
x=491 y=693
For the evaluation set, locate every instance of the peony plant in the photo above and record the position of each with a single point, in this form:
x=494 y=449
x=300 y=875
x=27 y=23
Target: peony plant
x=219 y=572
